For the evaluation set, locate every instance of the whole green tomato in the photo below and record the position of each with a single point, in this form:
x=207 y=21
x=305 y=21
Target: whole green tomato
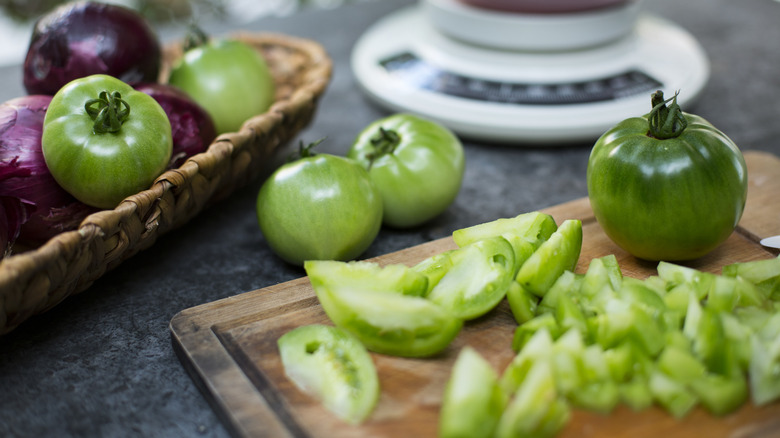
x=319 y=207
x=668 y=185
x=103 y=141
x=416 y=163
x=228 y=78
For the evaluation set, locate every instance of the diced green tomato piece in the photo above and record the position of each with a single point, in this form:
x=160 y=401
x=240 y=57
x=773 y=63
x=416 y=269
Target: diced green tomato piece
x=642 y=294
x=720 y=395
x=536 y=227
x=521 y=302
x=594 y=366
x=556 y=255
x=478 y=279
x=569 y=315
x=434 y=268
x=636 y=393
x=710 y=344
x=332 y=366
x=738 y=336
x=724 y=295
x=536 y=410
x=647 y=331
x=612 y=327
x=756 y=272
x=620 y=362
x=364 y=276
x=764 y=370
x=700 y=281
x=528 y=329
x=678 y=297
x=473 y=401
x=676 y=339
x=602 y=279
x=751 y=294
x=753 y=317
x=567 y=284
x=538 y=348
x=673 y=396
x=566 y=361
x=601 y=396
x=680 y=365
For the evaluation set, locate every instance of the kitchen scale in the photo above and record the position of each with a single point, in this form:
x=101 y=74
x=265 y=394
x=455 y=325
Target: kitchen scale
x=526 y=78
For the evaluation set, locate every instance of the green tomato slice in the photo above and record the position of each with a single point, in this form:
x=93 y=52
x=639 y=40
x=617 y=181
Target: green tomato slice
x=535 y=227
x=473 y=400
x=557 y=254
x=382 y=318
x=478 y=278
x=332 y=366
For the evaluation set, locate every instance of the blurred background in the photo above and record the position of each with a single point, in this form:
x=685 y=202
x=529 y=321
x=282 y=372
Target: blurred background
x=17 y=17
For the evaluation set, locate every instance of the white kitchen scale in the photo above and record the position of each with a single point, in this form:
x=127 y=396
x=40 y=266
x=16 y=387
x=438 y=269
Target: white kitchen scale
x=526 y=79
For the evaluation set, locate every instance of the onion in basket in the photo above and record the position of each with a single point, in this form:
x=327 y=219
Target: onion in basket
x=83 y=38
x=25 y=176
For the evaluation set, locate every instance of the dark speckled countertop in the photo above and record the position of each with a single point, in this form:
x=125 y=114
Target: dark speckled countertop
x=101 y=363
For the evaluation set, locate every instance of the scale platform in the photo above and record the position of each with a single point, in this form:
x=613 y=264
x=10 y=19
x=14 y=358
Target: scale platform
x=525 y=92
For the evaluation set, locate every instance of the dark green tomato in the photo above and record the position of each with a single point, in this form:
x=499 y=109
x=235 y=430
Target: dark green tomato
x=321 y=207
x=228 y=78
x=102 y=158
x=667 y=199
x=417 y=165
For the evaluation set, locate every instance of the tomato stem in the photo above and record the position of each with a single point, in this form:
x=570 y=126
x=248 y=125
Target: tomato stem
x=108 y=111
x=384 y=141
x=666 y=122
x=305 y=150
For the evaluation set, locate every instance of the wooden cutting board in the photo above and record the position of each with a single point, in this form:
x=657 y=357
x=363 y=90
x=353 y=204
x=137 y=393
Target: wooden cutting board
x=229 y=347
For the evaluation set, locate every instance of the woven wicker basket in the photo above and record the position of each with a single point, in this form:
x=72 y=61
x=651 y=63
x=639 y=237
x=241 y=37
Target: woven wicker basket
x=34 y=281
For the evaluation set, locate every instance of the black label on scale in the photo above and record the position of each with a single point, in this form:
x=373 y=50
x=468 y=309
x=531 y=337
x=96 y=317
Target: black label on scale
x=421 y=74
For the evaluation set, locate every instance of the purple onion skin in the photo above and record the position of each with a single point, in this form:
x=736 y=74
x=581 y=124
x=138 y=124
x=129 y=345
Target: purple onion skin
x=83 y=38
x=25 y=177
x=191 y=126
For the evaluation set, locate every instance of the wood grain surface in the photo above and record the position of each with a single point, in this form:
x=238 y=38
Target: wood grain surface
x=229 y=347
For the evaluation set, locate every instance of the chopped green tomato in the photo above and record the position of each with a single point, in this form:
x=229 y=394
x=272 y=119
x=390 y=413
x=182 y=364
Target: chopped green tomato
x=434 y=268
x=601 y=396
x=568 y=283
x=720 y=395
x=569 y=315
x=528 y=329
x=636 y=394
x=332 y=366
x=675 y=274
x=756 y=272
x=673 y=396
x=521 y=302
x=535 y=227
x=556 y=255
x=473 y=400
x=764 y=370
x=680 y=365
x=384 y=319
x=538 y=348
x=478 y=279
x=602 y=279
x=536 y=410
x=367 y=276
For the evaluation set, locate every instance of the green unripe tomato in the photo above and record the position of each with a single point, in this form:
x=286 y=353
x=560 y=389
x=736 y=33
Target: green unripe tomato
x=667 y=190
x=102 y=158
x=320 y=207
x=228 y=78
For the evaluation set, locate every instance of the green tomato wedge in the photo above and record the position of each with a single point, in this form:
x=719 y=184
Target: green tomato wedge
x=525 y=232
x=536 y=409
x=434 y=268
x=473 y=400
x=557 y=254
x=368 y=276
x=332 y=366
x=522 y=303
x=478 y=278
x=380 y=315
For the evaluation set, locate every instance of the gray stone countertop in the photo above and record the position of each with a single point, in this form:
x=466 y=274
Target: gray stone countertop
x=101 y=363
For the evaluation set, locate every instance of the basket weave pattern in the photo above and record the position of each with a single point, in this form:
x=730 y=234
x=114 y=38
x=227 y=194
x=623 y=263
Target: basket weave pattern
x=34 y=281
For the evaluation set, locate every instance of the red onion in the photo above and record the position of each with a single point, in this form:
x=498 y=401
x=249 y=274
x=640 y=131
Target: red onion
x=83 y=38
x=26 y=177
x=191 y=126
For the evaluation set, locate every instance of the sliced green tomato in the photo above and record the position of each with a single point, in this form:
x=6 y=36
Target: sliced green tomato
x=556 y=255
x=332 y=366
x=434 y=268
x=478 y=279
x=539 y=347
x=367 y=276
x=473 y=400
x=522 y=303
x=390 y=323
x=537 y=409
x=672 y=395
x=535 y=227
x=528 y=330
